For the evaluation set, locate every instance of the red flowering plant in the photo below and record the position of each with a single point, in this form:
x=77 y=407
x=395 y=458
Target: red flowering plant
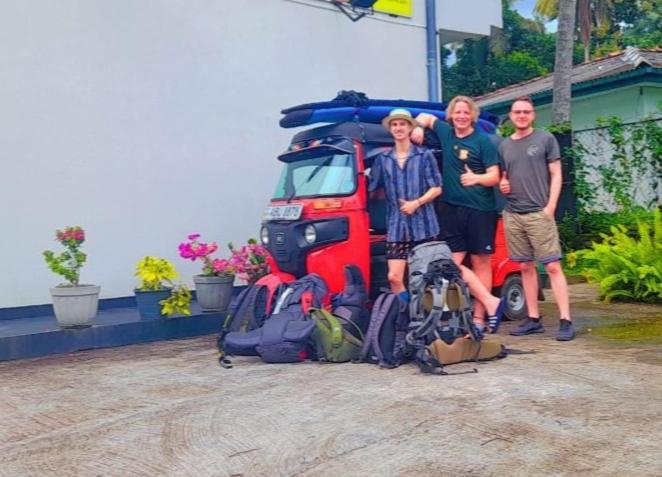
x=194 y=249
x=68 y=263
x=249 y=261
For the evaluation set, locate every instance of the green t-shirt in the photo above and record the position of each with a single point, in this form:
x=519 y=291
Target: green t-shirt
x=477 y=151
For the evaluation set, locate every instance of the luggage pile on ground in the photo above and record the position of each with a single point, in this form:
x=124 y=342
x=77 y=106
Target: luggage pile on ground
x=300 y=320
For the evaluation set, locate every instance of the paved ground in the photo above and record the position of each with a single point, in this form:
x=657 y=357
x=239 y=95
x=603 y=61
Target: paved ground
x=589 y=407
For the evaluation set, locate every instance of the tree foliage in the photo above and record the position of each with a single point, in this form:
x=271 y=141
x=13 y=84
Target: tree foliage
x=604 y=26
x=523 y=51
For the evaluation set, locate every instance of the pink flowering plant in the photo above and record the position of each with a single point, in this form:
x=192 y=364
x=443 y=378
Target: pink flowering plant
x=249 y=261
x=193 y=249
x=68 y=263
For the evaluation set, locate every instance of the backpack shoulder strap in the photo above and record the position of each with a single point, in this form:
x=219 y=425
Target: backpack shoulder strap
x=379 y=312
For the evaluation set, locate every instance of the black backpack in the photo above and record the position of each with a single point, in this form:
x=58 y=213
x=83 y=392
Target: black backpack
x=384 y=342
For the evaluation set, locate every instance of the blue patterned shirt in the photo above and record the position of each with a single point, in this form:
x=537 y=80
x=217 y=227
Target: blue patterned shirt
x=419 y=174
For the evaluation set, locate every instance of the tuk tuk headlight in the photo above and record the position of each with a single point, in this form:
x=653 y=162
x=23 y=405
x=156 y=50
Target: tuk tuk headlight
x=310 y=234
x=264 y=236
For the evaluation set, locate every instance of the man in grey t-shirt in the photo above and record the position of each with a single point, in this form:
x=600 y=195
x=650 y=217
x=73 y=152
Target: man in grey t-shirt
x=531 y=183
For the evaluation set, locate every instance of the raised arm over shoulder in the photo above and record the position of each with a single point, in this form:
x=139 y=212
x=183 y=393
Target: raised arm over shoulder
x=426 y=120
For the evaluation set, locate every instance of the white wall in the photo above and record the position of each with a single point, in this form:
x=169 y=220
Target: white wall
x=468 y=18
x=145 y=120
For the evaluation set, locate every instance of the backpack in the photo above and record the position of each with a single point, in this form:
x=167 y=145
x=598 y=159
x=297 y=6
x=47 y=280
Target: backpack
x=284 y=336
x=441 y=328
x=338 y=336
x=353 y=299
x=251 y=308
x=384 y=342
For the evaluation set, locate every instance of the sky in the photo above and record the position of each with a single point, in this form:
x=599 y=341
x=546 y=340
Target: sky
x=525 y=8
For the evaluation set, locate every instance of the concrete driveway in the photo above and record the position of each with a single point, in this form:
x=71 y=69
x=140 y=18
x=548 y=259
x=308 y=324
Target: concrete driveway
x=589 y=407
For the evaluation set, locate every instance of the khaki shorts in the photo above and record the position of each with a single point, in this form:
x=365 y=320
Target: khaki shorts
x=531 y=237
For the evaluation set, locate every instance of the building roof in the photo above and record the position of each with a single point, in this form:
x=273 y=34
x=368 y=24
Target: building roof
x=615 y=67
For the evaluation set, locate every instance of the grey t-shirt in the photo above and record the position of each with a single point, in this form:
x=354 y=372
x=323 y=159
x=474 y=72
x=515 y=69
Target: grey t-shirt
x=526 y=161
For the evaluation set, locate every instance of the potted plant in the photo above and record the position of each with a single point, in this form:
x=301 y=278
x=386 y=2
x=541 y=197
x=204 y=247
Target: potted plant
x=74 y=304
x=157 y=295
x=249 y=261
x=213 y=288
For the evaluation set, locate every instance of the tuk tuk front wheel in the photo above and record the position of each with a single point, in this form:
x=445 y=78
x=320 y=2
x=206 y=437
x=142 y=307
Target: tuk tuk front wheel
x=513 y=291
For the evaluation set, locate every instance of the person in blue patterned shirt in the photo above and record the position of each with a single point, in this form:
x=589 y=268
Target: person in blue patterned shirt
x=411 y=181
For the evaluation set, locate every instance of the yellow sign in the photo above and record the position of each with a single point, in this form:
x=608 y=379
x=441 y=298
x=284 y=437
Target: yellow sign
x=402 y=8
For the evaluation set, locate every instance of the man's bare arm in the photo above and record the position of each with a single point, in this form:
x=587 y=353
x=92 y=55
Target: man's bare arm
x=410 y=206
x=555 y=180
x=424 y=120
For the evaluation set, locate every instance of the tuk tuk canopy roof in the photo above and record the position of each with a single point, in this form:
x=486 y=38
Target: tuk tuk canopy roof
x=373 y=134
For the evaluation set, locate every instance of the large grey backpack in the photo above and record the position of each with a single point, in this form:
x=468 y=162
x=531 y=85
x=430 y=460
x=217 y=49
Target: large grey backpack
x=440 y=304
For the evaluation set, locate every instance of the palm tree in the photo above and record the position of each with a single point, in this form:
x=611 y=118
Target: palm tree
x=561 y=95
x=589 y=13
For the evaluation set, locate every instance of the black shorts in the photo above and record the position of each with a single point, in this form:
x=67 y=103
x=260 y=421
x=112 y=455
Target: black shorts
x=467 y=230
x=400 y=250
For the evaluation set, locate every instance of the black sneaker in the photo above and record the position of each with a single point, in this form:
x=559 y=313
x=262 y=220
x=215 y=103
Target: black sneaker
x=528 y=327
x=566 y=331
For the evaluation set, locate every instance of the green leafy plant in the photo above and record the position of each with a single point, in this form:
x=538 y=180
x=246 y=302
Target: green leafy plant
x=158 y=274
x=68 y=263
x=581 y=230
x=560 y=128
x=179 y=302
x=626 y=268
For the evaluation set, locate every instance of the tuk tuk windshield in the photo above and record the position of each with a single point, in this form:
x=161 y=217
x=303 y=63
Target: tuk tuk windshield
x=326 y=174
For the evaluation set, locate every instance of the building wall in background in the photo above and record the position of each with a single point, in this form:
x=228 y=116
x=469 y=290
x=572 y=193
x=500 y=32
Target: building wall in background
x=631 y=103
x=469 y=18
x=146 y=121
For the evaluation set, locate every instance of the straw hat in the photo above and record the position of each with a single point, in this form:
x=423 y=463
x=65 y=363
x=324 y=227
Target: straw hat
x=398 y=113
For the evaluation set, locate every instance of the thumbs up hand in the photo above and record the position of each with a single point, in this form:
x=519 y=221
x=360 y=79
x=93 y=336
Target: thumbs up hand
x=504 y=184
x=469 y=178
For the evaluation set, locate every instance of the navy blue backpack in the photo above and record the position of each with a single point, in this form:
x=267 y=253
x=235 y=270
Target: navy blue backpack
x=285 y=336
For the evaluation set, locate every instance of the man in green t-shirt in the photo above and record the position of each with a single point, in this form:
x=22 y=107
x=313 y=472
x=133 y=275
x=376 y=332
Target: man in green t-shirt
x=467 y=213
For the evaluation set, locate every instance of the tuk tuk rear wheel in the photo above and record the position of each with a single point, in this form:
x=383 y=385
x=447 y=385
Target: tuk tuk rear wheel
x=513 y=291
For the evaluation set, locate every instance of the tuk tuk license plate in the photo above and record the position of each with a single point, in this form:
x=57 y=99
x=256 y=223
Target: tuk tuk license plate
x=283 y=212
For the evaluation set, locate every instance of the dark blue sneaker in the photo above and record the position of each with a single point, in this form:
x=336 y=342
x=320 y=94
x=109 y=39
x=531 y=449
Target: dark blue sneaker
x=566 y=331
x=528 y=327
x=494 y=321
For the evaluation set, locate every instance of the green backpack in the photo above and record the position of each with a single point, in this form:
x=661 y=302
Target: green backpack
x=333 y=341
